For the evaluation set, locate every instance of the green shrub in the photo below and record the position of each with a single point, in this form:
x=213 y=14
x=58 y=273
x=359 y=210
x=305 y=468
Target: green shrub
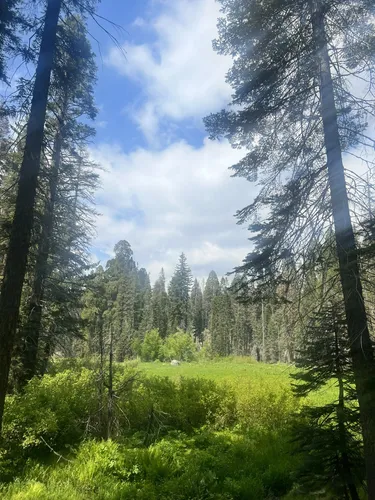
x=53 y=408
x=55 y=412
x=160 y=404
x=59 y=411
x=180 y=346
x=263 y=406
x=151 y=347
x=59 y=365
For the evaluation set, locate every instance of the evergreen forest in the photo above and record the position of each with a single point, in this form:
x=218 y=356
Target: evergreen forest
x=191 y=382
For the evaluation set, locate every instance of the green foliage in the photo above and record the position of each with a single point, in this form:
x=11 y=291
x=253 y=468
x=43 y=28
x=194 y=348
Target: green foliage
x=211 y=290
x=266 y=407
x=328 y=435
x=179 y=346
x=196 y=309
x=151 y=347
x=222 y=322
x=178 y=291
x=59 y=410
x=177 y=436
x=220 y=465
x=54 y=407
x=160 y=305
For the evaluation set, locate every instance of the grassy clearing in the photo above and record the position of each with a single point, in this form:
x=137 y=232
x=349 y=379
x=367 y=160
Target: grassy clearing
x=241 y=373
x=231 y=369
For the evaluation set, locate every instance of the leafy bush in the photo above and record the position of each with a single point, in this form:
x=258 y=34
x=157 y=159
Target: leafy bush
x=264 y=406
x=158 y=404
x=180 y=346
x=60 y=411
x=151 y=347
x=53 y=408
x=55 y=411
x=59 y=365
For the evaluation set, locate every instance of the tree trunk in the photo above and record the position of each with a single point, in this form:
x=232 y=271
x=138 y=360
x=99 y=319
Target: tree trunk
x=356 y=317
x=347 y=476
x=47 y=352
x=19 y=242
x=110 y=387
x=31 y=332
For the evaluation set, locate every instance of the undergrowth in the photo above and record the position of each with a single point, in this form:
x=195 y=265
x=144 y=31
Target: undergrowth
x=174 y=437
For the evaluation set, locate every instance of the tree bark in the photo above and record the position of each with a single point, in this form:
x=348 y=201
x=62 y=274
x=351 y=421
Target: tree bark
x=361 y=347
x=19 y=242
x=110 y=386
x=347 y=476
x=32 y=328
x=47 y=352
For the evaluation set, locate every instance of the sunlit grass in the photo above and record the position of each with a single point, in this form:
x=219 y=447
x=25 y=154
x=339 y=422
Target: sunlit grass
x=240 y=373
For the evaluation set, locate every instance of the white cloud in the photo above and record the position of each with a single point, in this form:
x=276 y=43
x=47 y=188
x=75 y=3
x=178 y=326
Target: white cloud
x=173 y=200
x=180 y=74
x=173 y=197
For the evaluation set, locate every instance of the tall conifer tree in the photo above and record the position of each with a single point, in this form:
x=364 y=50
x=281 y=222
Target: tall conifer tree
x=295 y=63
x=196 y=308
x=20 y=235
x=160 y=306
x=211 y=290
x=72 y=98
x=179 y=289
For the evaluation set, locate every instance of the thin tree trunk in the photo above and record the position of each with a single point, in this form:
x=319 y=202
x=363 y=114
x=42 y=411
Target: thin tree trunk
x=47 y=352
x=19 y=242
x=347 y=478
x=263 y=333
x=360 y=342
x=99 y=334
x=73 y=226
x=110 y=387
x=32 y=328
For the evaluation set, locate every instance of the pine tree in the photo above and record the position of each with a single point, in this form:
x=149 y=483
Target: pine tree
x=143 y=293
x=72 y=97
x=20 y=235
x=296 y=114
x=178 y=292
x=222 y=322
x=326 y=436
x=211 y=290
x=147 y=314
x=196 y=308
x=94 y=303
x=243 y=330
x=12 y=21
x=160 y=306
x=121 y=276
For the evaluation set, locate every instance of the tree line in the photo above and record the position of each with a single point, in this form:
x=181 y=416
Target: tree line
x=121 y=299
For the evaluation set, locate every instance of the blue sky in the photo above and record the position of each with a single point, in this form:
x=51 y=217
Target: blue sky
x=165 y=187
